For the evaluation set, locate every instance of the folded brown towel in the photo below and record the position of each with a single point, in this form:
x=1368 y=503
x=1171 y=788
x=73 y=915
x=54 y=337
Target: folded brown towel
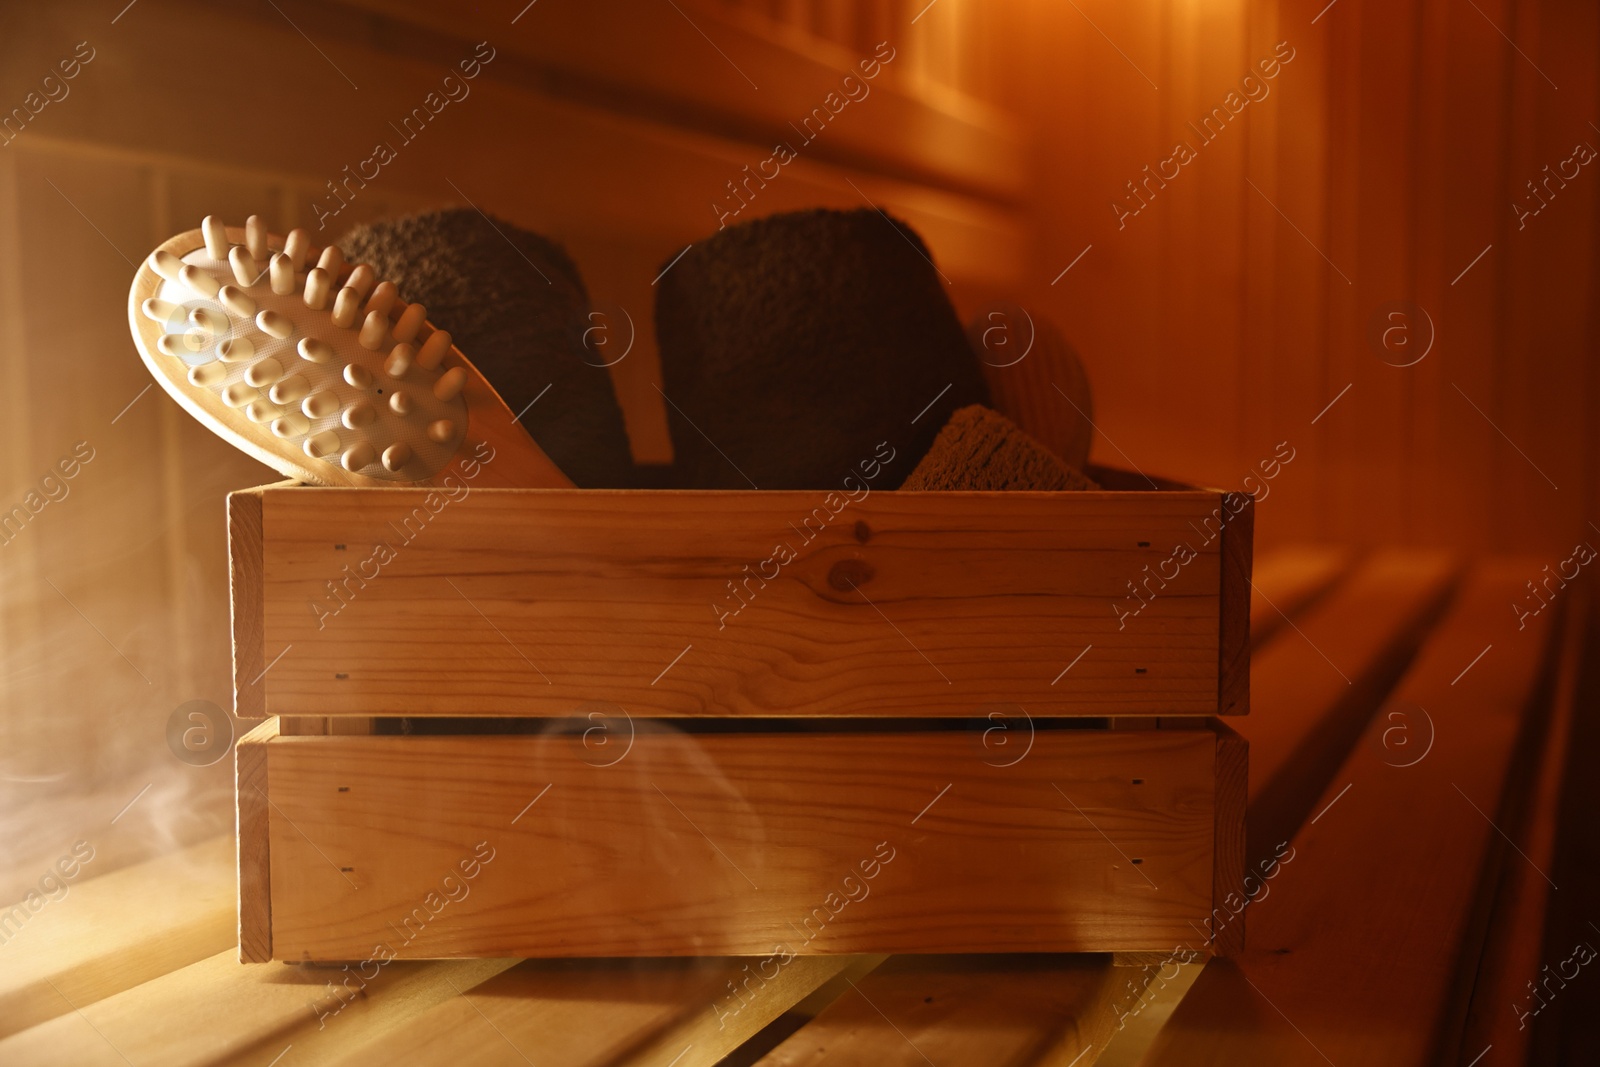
x=982 y=449
x=515 y=305
x=793 y=345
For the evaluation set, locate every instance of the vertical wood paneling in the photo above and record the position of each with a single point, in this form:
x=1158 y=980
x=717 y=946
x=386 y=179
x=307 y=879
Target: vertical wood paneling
x=1394 y=144
x=1548 y=346
x=1430 y=264
x=1201 y=214
x=1473 y=197
x=1211 y=323
x=19 y=606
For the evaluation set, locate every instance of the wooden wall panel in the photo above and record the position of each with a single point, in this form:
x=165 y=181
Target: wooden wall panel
x=1286 y=382
x=140 y=544
x=1220 y=320
x=1548 y=350
x=1385 y=161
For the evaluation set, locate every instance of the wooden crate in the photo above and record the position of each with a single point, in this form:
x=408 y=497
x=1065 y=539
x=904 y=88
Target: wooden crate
x=941 y=722
x=762 y=838
x=539 y=602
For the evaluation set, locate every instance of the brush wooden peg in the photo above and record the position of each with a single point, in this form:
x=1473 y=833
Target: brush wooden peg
x=295 y=246
x=215 y=236
x=319 y=286
x=246 y=268
x=255 y=238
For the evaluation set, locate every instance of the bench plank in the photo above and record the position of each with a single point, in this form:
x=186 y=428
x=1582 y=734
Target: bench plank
x=970 y=1011
x=1513 y=953
x=216 y=1011
x=1288 y=580
x=1355 y=946
x=155 y=813
x=1318 y=684
x=113 y=932
x=604 y=1013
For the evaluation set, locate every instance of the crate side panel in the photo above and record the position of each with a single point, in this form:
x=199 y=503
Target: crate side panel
x=739 y=843
x=400 y=602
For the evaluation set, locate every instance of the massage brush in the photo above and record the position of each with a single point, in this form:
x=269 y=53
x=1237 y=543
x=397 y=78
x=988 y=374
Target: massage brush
x=317 y=368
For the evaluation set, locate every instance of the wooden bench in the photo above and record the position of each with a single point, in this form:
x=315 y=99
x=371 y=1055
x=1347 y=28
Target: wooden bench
x=1406 y=735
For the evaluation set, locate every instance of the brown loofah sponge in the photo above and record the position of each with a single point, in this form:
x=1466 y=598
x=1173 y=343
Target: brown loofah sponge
x=982 y=449
x=792 y=345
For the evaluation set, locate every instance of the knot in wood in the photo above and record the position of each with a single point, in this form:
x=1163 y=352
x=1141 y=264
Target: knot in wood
x=849 y=574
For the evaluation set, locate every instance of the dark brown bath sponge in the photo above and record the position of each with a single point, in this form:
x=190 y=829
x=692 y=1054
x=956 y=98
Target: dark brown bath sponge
x=792 y=345
x=516 y=307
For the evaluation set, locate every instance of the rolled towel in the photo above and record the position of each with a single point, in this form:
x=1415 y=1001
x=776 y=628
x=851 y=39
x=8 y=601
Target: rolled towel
x=982 y=449
x=792 y=345
x=516 y=307
x=1036 y=379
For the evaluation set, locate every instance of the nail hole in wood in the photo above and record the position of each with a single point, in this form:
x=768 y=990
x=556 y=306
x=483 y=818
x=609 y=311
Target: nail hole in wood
x=1144 y=544
x=339 y=548
x=1138 y=781
x=1138 y=861
x=341 y=676
x=352 y=868
x=1139 y=670
x=344 y=789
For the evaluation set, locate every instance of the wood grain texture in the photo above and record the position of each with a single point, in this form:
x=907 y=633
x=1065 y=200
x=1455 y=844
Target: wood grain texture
x=112 y=932
x=667 y=603
x=742 y=841
x=968 y=1011
x=1356 y=952
x=604 y=1013
x=254 y=843
x=246 y=606
x=1233 y=625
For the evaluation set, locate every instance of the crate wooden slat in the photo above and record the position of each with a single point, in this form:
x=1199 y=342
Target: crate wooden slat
x=738 y=841
x=544 y=602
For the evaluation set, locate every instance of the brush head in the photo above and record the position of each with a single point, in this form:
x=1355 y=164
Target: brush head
x=312 y=365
